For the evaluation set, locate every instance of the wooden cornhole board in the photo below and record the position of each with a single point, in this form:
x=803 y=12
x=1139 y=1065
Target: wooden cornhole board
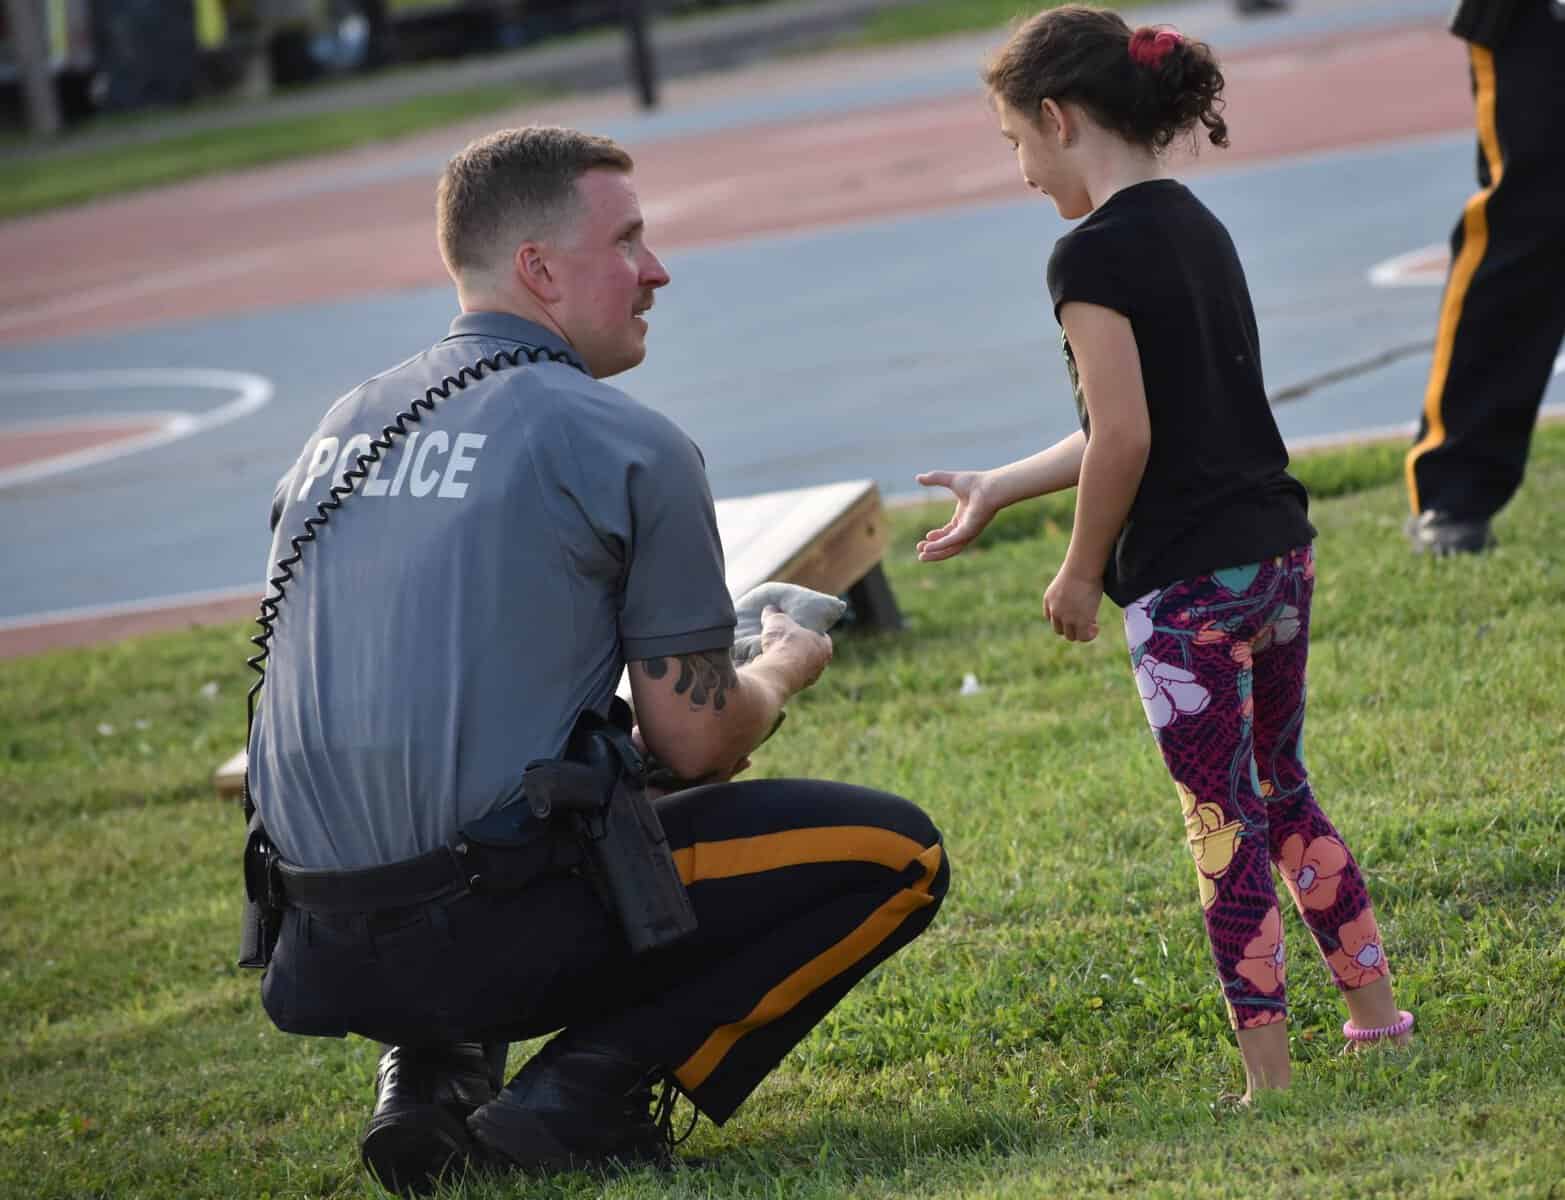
x=830 y=538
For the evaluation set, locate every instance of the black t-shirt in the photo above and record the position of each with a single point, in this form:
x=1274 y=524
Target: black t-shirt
x=1216 y=492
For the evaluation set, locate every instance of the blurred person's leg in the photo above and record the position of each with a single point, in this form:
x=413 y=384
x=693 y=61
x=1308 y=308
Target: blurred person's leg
x=1503 y=314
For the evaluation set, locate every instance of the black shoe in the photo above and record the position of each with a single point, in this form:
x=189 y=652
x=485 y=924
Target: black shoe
x=575 y=1105
x=423 y=1097
x=1440 y=534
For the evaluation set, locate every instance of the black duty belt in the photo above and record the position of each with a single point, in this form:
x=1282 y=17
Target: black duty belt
x=464 y=865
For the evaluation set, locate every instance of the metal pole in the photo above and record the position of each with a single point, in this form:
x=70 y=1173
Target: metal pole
x=642 y=65
x=31 y=48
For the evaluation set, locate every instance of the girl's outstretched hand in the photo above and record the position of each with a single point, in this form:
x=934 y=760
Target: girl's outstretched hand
x=973 y=512
x=1071 y=606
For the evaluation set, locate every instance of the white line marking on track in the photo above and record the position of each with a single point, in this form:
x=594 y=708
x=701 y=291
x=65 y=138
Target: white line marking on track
x=1424 y=267
x=93 y=420
x=253 y=393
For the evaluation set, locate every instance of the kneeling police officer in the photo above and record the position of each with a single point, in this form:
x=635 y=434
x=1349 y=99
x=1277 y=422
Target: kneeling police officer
x=469 y=551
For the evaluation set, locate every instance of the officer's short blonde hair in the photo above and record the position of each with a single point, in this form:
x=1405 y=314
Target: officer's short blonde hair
x=513 y=186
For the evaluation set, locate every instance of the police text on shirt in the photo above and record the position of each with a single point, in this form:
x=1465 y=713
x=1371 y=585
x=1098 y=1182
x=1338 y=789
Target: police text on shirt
x=429 y=463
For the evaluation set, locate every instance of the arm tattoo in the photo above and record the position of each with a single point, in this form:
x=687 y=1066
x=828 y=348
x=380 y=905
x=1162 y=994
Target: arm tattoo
x=705 y=675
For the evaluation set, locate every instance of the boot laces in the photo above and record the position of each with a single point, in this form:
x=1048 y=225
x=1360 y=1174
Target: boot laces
x=664 y=1103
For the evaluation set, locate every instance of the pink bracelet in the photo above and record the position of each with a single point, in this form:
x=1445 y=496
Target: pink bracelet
x=1403 y=1024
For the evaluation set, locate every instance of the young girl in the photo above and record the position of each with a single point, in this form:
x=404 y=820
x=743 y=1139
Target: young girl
x=1185 y=514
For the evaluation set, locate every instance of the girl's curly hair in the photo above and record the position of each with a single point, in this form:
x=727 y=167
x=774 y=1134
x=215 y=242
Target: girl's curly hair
x=1147 y=85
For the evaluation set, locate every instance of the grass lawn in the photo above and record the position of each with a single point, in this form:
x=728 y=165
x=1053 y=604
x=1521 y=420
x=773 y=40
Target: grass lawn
x=1057 y=1033
x=53 y=181
x=937 y=18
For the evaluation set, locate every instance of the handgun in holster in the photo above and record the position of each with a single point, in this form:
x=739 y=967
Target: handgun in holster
x=263 y=913
x=597 y=789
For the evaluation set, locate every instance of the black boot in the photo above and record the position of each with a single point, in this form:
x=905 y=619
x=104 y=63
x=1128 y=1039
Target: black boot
x=423 y=1096
x=577 y=1105
x=1441 y=534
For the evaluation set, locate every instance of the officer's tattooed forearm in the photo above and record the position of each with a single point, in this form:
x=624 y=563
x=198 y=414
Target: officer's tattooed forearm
x=704 y=676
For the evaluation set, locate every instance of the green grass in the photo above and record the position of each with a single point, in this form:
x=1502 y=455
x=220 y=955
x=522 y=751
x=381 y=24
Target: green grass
x=1057 y=1032
x=938 y=18
x=73 y=177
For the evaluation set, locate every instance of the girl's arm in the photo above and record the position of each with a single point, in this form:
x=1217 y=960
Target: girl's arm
x=1048 y=471
x=981 y=494
x=1109 y=367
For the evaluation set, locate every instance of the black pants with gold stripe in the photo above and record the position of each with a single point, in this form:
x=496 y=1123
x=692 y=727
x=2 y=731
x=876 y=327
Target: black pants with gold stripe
x=801 y=887
x=1503 y=314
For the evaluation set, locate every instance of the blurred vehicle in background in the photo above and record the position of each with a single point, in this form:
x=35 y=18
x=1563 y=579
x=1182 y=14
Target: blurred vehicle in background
x=117 y=55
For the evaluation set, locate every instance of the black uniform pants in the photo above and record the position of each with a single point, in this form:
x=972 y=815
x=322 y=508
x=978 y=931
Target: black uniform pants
x=800 y=887
x=1503 y=314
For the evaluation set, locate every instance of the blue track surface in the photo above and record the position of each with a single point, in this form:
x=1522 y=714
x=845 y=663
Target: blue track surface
x=875 y=350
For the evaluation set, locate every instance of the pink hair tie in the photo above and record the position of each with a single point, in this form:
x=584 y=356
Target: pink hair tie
x=1403 y=1024
x=1149 y=47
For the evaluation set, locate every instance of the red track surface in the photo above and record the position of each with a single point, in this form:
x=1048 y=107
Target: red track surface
x=273 y=237
x=32 y=445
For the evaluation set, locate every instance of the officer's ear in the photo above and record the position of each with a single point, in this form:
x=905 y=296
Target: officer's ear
x=532 y=267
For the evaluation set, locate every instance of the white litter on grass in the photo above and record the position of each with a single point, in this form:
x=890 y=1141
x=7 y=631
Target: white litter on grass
x=209 y=690
x=970 y=685
x=106 y=729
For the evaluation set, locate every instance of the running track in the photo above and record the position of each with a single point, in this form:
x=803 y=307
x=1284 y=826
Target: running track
x=857 y=293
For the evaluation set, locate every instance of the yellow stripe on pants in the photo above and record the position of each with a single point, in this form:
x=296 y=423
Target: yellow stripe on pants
x=794 y=847
x=879 y=925
x=1475 y=240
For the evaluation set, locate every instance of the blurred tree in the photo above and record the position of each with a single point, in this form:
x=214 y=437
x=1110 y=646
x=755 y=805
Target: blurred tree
x=32 y=67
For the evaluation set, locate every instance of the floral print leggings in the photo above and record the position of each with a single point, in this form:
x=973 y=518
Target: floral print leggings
x=1219 y=660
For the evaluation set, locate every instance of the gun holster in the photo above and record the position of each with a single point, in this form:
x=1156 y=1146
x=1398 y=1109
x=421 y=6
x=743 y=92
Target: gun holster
x=597 y=789
x=263 y=912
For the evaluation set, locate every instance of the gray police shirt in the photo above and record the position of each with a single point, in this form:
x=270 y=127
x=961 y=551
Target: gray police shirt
x=485 y=584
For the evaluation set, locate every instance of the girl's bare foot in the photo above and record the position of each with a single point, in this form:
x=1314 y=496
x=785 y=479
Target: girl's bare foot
x=1264 y=1049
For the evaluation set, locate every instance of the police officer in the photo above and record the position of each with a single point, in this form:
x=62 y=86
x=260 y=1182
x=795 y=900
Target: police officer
x=1503 y=314
x=496 y=564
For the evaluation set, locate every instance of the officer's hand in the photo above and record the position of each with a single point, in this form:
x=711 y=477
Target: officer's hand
x=800 y=653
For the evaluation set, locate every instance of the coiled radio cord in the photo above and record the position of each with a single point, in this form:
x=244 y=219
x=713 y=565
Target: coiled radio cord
x=283 y=571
